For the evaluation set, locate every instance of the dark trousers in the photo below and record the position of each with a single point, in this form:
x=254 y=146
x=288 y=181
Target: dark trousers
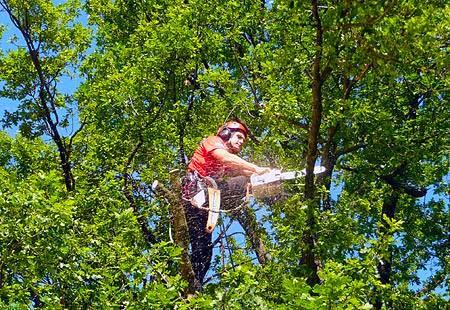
x=232 y=192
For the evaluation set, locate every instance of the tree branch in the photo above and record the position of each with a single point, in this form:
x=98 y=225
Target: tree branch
x=351 y=83
x=147 y=234
x=409 y=189
x=187 y=119
x=371 y=20
x=350 y=149
x=45 y=96
x=433 y=283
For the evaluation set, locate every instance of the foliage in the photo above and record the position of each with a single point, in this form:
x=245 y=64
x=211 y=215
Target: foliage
x=361 y=88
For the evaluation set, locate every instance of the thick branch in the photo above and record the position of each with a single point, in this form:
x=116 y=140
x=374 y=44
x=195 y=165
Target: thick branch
x=316 y=106
x=411 y=190
x=46 y=97
x=253 y=231
x=328 y=161
x=181 y=230
x=350 y=149
x=309 y=257
x=384 y=266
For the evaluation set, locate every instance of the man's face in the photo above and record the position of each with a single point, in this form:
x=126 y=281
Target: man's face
x=236 y=142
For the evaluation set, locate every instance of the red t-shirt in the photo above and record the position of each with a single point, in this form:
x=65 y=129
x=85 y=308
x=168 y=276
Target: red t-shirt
x=204 y=163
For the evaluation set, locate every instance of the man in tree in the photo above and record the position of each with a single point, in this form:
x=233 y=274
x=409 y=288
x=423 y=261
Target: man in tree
x=215 y=161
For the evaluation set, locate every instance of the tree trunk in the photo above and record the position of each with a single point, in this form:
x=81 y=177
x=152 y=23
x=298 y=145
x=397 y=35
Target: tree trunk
x=181 y=236
x=309 y=238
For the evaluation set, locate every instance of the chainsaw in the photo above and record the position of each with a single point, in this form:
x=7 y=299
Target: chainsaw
x=263 y=185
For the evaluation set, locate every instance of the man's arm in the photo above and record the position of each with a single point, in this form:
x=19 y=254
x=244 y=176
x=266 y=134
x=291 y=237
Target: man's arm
x=236 y=163
x=235 y=173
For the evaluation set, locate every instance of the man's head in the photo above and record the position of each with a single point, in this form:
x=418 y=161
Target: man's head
x=234 y=134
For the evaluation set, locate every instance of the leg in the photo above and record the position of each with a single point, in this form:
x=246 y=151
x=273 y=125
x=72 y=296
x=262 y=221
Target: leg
x=201 y=241
x=233 y=191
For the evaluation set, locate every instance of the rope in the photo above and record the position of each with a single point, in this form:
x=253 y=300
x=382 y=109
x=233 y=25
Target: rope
x=241 y=206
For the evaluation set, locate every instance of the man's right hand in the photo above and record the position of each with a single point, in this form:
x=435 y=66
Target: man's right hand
x=262 y=170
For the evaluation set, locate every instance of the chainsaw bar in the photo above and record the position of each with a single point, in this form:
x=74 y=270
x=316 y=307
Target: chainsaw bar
x=276 y=176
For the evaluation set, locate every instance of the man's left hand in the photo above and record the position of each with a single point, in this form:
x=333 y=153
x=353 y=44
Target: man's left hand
x=262 y=170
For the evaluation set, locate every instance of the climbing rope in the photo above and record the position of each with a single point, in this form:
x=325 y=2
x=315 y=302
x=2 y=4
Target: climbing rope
x=241 y=206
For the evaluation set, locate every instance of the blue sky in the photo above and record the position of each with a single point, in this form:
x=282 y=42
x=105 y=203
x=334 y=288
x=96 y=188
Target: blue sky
x=7 y=104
